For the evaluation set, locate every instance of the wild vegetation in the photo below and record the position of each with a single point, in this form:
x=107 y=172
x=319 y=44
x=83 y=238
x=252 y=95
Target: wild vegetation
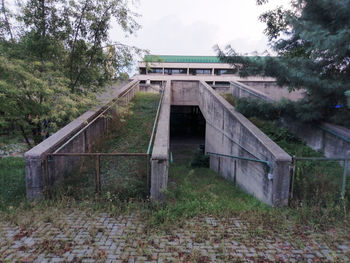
x=317 y=185
x=54 y=56
x=194 y=190
x=311 y=44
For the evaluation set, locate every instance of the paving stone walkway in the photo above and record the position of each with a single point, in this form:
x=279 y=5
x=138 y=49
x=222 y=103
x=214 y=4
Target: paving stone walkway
x=81 y=237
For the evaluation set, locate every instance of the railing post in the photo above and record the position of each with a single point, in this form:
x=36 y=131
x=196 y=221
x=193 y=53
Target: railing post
x=148 y=159
x=345 y=171
x=294 y=169
x=98 y=176
x=46 y=187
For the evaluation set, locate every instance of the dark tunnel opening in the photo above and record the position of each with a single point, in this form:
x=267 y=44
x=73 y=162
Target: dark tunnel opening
x=187 y=132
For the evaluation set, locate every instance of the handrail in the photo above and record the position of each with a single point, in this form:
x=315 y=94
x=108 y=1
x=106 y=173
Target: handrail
x=335 y=134
x=243 y=158
x=155 y=123
x=97 y=154
x=231 y=139
x=322 y=159
x=114 y=101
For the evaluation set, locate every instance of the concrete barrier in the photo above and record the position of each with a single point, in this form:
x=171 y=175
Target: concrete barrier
x=229 y=132
x=160 y=153
x=267 y=90
x=330 y=139
x=41 y=173
x=240 y=90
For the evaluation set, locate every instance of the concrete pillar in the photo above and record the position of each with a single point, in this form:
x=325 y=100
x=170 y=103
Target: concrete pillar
x=188 y=71
x=35 y=180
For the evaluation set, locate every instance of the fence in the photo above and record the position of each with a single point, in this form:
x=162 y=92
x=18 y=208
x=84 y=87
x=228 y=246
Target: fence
x=319 y=177
x=109 y=170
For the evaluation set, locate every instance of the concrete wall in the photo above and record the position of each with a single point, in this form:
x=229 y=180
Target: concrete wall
x=240 y=90
x=332 y=140
x=184 y=93
x=160 y=153
x=37 y=179
x=226 y=129
x=272 y=90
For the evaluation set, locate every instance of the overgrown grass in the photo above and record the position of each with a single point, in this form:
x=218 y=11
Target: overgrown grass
x=317 y=182
x=12 y=182
x=317 y=185
x=196 y=192
x=122 y=178
x=192 y=191
x=135 y=134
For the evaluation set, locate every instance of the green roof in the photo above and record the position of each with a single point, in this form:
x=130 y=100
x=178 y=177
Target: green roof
x=182 y=59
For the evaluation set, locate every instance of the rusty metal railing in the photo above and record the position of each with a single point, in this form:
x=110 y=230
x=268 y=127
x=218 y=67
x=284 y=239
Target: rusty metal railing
x=97 y=162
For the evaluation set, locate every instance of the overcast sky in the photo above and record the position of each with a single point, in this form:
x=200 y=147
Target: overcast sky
x=193 y=27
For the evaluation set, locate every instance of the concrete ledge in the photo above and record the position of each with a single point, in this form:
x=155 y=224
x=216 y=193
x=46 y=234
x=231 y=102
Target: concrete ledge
x=160 y=153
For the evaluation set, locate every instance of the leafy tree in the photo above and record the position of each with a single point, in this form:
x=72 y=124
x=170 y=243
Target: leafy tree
x=312 y=42
x=57 y=57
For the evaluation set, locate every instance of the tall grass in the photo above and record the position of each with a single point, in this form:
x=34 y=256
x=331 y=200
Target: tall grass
x=12 y=182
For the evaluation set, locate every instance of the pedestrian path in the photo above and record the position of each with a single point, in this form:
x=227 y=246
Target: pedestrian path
x=84 y=237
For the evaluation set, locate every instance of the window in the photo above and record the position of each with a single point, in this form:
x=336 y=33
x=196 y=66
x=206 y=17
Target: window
x=200 y=71
x=143 y=71
x=225 y=71
x=156 y=71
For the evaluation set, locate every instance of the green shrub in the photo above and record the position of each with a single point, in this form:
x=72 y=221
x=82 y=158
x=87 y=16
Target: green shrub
x=317 y=183
x=258 y=108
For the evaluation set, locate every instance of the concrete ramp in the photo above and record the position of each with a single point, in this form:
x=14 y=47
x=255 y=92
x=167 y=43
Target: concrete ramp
x=230 y=133
x=241 y=152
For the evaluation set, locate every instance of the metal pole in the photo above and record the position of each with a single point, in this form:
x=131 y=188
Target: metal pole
x=234 y=171
x=148 y=159
x=344 y=179
x=294 y=167
x=46 y=174
x=98 y=176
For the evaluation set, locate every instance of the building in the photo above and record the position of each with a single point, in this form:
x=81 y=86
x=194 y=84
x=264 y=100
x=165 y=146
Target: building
x=154 y=70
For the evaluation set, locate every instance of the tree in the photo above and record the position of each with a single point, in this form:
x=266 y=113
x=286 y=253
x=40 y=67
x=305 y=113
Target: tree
x=312 y=42
x=58 y=58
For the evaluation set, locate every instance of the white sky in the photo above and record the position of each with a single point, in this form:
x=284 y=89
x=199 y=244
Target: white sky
x=193 y=27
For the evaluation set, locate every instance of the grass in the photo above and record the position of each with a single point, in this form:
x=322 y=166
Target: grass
x=317 y=182
x=135 y=134
x=122 y=178
x=192 y=191
x=196 y=192
x=12 y=182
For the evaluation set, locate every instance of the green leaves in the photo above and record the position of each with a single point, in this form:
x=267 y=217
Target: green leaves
x=60 y=56
x=312 y=41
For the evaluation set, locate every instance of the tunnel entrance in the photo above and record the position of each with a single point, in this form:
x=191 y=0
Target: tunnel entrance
x=187 y=132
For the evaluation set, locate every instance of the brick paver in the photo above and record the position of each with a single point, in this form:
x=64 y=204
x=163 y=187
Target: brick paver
x=81 y=237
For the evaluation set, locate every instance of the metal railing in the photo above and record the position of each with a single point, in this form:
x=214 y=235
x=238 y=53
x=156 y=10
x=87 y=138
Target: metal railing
x=97 y=155
x=324 y=159
x=128 y=96
x=267 y=165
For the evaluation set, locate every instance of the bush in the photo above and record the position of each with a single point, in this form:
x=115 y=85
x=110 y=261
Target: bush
x=258 y=108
